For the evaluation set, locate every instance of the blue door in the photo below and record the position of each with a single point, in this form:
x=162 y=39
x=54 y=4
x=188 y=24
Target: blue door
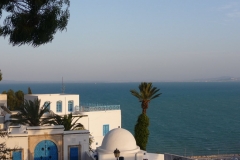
x=17 y=155
x=74 y=153
x=46 y=150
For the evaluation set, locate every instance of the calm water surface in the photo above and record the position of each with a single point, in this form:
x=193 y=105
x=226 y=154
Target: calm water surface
x=188 y=118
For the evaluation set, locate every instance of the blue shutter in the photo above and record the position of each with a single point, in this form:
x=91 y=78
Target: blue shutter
x=17 y=155
x=105 y=129
x=59 y=106
x=70 y=106
x=74 y=153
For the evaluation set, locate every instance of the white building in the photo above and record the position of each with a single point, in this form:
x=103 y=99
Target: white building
x=52 y=142
x=47 y=142
x=39 y=142
x=3 y=99
x=3 y=102
x=60 y=104
x=99 y=119
x=124 y=141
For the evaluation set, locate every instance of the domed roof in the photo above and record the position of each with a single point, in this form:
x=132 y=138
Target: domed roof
x=118 y=138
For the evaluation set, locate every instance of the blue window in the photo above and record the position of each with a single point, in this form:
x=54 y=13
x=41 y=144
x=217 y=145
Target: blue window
x=47 y=104
x=70 y=106
x=59 y=106
x=17 y=155
x=74 y=153
x=105 y=129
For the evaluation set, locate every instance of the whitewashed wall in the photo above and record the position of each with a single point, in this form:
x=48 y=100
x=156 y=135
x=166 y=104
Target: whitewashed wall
x=95 y=120
x=3 y=99
x=18 y=141
x=53 y=98
x=127 y=156
x=76 y=138
x=154 y=156
x=18 y=138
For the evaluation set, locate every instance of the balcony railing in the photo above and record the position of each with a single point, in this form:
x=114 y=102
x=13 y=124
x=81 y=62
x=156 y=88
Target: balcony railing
x=99 y=108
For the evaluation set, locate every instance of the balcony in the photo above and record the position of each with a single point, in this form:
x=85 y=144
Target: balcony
x=94 y=108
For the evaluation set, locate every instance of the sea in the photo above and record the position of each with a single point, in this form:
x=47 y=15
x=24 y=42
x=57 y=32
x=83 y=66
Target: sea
x=189 y=118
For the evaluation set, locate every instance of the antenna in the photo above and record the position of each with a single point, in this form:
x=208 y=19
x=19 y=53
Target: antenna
x=63 y=87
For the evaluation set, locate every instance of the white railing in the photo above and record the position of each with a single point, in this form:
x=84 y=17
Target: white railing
x=88 y=156
x=99 y=108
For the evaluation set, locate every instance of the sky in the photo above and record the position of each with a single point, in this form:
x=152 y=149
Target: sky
x=134 y=41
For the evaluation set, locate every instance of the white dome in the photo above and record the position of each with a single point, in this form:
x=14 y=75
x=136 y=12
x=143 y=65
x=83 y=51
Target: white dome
x=118 y=138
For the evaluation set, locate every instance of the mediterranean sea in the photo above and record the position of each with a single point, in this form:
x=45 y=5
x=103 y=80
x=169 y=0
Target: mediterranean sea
x=187 y=119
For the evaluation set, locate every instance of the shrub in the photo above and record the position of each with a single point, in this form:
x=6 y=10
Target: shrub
x=141 y=131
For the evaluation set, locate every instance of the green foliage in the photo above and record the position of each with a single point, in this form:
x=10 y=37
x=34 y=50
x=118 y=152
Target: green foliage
x=33 y=22
x=19 y=98
x=91 y=140
x=31 y=114
x=141 y=131
x=5 y=153
x=68 y=121
x=146 y=93
x=29 y=90
x=14 y=99
x=11 y=99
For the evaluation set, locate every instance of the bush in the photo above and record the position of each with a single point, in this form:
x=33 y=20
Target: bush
x=141 y=131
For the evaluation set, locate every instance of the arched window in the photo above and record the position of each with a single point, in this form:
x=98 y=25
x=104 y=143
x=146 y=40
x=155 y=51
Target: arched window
x=70 y=106
x=59 y=106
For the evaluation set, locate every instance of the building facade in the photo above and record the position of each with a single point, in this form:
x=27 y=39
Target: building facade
x=46 y=142
x=99 y=120
x=60 y=104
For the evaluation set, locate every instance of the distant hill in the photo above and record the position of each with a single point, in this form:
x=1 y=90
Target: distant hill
x=219 y=79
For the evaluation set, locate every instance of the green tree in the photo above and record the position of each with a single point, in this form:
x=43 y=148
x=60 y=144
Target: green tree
x=33 y=22
x=141 y=131
x=14 y=99
x=68 y=121
x=146 y=93
x=31 y=114
x=29 y=90
x=5 y=153
x=19 y=99
x=11 y=99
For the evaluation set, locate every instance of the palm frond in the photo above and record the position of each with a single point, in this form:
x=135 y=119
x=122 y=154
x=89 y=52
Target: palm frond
x=68 y=121
x=30 y=113
x=146 y=93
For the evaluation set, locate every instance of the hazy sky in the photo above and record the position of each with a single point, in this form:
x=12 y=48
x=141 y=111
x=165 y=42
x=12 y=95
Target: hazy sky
x=134 y=40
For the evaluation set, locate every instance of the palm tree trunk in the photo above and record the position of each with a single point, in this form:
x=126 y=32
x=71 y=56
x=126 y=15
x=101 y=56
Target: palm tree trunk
x=144 y=106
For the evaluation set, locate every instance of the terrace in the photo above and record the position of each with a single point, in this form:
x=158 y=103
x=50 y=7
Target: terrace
x=97 y=107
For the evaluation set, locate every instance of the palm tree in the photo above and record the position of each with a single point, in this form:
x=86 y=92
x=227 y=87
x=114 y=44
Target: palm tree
x=70 y=124
x=31 y=114
x=68 y=121
x=146 y=94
